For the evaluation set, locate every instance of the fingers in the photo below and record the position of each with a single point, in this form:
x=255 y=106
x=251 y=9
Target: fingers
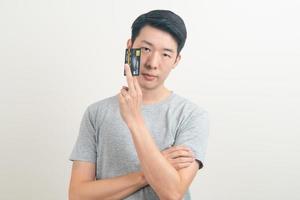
x=181 y=153
x=181 y=162
x=181 y=165
x=125 y=87
x=137 y=86
x=179 y=156
x=129 y=78
x=121 y=98
x=124 y=93
x=177 y=148
x=133 y=89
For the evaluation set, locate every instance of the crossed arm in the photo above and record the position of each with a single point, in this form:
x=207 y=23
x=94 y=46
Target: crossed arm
x=83 y=185
x=168 y=181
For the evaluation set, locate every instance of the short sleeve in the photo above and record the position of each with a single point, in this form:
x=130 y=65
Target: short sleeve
x=85 y=146
x=193 y=133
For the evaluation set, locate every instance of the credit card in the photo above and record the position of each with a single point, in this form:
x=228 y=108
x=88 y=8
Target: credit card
x=133 y=59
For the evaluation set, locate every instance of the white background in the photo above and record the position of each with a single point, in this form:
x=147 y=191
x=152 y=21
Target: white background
x=241 y=62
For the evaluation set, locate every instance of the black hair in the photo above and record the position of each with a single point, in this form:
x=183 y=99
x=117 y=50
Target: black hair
x=164 y=20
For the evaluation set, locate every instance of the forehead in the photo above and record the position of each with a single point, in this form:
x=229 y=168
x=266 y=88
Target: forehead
x=158 y=38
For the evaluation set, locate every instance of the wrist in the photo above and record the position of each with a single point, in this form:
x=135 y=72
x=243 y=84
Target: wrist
x=135 y=123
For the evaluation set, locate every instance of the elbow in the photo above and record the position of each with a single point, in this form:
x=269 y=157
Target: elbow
x=171 y=193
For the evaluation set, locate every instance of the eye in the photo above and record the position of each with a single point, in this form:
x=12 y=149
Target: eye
x=166 y=55
x=146 y=49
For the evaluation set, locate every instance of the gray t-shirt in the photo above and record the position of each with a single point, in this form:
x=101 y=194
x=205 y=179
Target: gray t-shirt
x=104 y=138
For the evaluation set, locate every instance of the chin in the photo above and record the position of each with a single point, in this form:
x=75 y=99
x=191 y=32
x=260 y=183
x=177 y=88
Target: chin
x=149 y=87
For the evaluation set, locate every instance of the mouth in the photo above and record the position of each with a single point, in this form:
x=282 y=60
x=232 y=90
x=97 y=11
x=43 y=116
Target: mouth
x=149 y=77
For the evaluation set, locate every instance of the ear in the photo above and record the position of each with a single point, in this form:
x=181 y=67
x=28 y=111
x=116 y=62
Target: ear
x=177 y=61
x=129 y=44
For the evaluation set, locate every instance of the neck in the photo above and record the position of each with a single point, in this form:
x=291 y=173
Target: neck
x=155 y=96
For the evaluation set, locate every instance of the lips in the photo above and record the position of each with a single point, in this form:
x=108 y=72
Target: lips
x=149 y=77
x=145 y=74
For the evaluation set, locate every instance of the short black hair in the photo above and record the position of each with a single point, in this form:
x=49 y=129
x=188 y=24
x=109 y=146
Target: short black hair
x=164 y=20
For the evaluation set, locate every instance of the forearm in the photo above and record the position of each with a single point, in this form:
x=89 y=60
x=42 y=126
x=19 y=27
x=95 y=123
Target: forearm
x=114 y=188
x=159 y=173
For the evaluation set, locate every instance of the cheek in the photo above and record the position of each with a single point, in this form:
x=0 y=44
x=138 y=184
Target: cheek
x=167 y=72
x=143 y=59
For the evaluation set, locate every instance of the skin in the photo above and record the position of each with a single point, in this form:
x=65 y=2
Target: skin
x=159 y=57
x=176 y=165
x=83 y=185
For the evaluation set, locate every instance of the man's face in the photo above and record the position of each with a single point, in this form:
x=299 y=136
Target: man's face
x=158 y=58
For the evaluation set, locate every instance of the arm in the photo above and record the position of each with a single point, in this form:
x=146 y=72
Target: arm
x=84 y=187
x=155 y=167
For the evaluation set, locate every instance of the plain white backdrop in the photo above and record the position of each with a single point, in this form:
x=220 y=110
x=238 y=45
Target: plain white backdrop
x=241 y=62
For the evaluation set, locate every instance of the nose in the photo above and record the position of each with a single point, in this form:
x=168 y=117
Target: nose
x=153 y=61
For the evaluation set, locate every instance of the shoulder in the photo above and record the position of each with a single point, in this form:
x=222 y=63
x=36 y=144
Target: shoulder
x=99 y=108
x=187 y=107
x=103 y=102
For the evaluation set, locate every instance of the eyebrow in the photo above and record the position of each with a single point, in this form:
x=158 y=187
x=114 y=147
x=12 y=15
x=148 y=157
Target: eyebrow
x=150 y=44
